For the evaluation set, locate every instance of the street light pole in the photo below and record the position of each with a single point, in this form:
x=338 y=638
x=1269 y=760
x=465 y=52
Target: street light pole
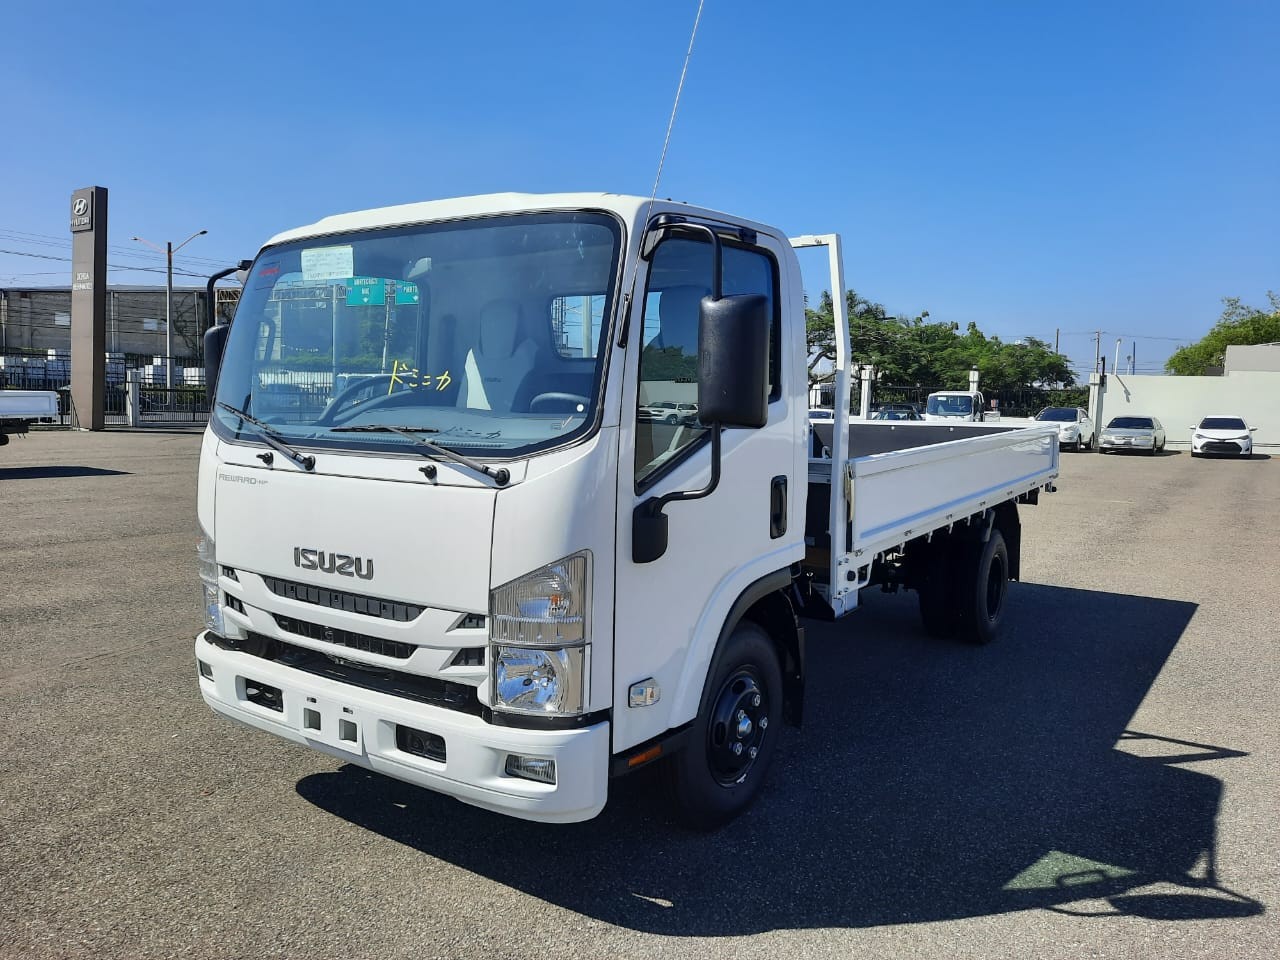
x=169 y=251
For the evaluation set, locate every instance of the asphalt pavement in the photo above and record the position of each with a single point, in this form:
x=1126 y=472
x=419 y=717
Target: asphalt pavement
x=1101 y=782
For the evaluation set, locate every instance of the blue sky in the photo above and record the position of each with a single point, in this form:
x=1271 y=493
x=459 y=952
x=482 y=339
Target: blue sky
x=1025 y=165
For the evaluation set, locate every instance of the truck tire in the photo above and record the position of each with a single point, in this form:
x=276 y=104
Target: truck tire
x=731 y=743
x=985 y=586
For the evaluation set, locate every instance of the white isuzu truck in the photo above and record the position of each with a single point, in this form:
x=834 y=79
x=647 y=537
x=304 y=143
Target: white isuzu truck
x=442 y=537
x=19 y=409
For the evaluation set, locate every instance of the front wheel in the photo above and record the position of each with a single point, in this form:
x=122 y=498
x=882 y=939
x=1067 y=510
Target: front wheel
x=733 y=738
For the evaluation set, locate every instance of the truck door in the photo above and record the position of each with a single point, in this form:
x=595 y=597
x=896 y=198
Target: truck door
x=668 y=612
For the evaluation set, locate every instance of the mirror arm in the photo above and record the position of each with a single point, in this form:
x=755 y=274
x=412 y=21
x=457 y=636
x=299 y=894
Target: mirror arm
x=649 y=523
x=660 y=502
x=209 y=291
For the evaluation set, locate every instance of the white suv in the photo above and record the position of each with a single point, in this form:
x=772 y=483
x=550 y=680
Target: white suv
x=669 y=411
x=1075 y=428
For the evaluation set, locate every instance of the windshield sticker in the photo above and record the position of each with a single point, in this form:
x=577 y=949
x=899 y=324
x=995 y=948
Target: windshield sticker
x=267 y=274
x=402 y=373
x=328 y=263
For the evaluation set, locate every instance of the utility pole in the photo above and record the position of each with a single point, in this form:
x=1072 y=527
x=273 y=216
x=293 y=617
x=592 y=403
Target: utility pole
x=1116 y=366
x=1097 y=350
x=169 y=251
x=1057 y=331
x=1133 y=358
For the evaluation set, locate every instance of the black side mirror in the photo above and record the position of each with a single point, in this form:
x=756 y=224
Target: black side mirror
x=733 y=361
x=215 y=342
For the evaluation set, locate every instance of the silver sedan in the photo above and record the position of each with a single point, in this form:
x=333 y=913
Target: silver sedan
x=1132 y=433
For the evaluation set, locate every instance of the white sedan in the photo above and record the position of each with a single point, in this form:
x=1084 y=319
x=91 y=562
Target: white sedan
x=1132 y=432
x=1075 y=429
x=1226 y=435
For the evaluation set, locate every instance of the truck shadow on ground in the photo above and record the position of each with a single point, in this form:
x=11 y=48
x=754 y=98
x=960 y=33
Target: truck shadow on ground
x=57 y=472
x=932 y=781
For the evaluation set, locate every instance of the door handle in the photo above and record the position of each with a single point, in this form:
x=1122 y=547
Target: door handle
x=777 y=507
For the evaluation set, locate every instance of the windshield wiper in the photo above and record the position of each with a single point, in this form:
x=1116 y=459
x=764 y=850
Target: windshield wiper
x=271 y=437
x=500 y=476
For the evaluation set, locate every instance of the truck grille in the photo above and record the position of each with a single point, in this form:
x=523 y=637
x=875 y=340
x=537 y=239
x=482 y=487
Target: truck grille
x=447 y=694
x=345 y=638
x=341 y=600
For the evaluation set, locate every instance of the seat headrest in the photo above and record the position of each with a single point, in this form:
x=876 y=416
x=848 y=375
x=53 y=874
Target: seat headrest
x=499 y=326
x=678 y=312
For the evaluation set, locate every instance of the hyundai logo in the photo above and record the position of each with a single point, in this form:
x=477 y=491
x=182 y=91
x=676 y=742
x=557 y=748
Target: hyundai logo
x=80 y=207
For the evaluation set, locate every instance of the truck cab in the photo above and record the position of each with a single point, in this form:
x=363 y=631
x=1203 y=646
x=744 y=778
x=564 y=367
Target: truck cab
x=956 y=405
x=443 y=535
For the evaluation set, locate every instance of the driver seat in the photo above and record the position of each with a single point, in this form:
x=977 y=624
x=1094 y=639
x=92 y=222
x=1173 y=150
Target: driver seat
x=497 y=366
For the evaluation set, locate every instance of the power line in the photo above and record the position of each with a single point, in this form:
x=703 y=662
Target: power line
x=110 y=266
x=45 y=239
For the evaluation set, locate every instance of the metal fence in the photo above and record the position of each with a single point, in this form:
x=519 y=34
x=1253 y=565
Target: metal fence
x=178 y=405
x=186 y=402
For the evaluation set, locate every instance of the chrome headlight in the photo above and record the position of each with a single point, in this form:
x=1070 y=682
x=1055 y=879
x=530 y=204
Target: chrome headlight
x=207 y=564
x=539 y=634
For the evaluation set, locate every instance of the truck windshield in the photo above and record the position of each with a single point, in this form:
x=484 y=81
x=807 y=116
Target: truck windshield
x=957 y=406
x=486 y=332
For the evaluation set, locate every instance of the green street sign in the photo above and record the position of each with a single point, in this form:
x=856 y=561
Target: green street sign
x=406 y=292
x=366 y=292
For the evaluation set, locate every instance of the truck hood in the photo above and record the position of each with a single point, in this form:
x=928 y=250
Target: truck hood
x=413 y=542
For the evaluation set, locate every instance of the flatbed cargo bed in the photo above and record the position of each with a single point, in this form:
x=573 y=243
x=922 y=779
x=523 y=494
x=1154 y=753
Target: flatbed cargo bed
x=908 y=480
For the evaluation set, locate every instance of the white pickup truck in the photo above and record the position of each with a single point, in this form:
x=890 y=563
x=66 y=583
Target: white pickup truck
x=478 y=567
x=19 y=409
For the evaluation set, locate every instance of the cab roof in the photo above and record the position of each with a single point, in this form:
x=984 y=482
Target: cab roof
x=629 y=208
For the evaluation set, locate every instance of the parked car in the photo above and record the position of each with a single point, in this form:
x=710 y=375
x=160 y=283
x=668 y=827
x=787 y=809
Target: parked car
x=1133 y=432
x=669 y=411
x=1075 y=428
x=822 y=415
x=896 y=412
x=1225 y=435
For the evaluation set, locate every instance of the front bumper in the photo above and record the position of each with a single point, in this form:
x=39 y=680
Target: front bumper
x=1230 y=448
x=1127 y=443
x=359 y=726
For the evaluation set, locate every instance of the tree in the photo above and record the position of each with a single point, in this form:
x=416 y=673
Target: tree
x=929 y=353
x=1239 y=325
x=820 y=329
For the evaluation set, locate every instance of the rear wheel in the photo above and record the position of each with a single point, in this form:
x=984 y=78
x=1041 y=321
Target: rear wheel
x=985 y=588
x=733 y=738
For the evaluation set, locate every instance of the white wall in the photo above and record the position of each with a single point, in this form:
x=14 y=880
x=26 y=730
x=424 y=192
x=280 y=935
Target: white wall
x=1178 y=402
x=1262 y=356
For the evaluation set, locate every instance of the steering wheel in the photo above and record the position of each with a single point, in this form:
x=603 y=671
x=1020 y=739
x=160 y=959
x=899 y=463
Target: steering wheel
x=563 y=397
x=348 y=392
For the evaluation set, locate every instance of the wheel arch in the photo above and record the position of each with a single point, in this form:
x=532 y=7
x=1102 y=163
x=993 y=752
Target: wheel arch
x=767 y=603
x=1009 y=524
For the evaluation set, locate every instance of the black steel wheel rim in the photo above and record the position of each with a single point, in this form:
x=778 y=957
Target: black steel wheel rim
x=739 y=724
